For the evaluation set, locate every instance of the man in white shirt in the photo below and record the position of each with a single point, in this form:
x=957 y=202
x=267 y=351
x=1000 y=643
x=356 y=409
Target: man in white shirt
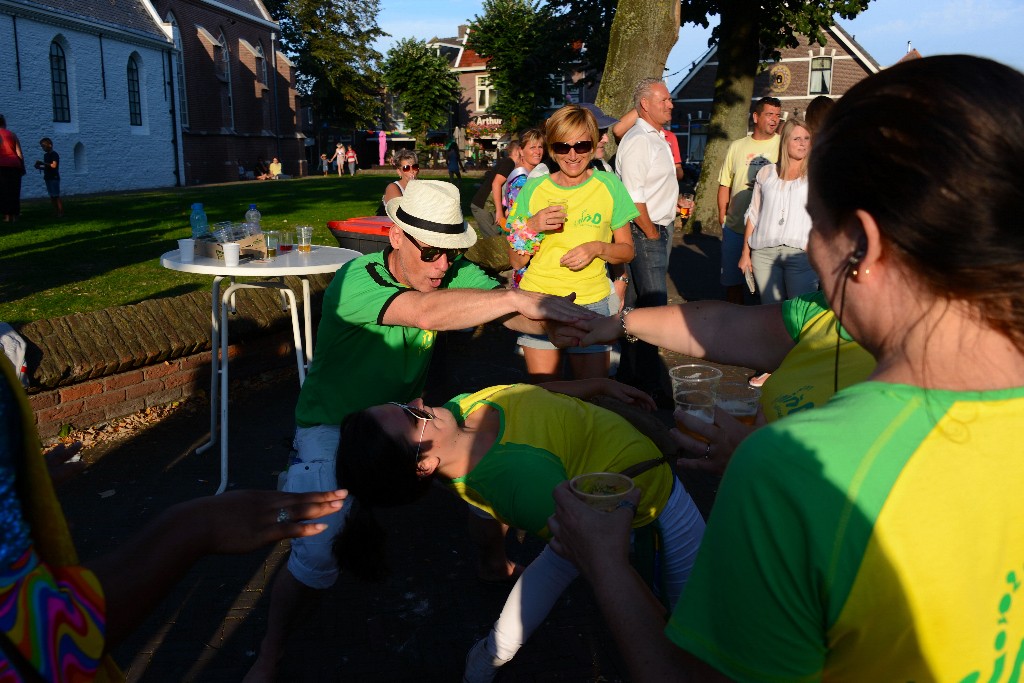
x=644 y=163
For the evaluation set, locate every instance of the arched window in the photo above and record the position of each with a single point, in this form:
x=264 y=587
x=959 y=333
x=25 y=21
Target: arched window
x=59 y=84
x=223 y=55
x=261 y=64
x=179 y=70
x=134 y=92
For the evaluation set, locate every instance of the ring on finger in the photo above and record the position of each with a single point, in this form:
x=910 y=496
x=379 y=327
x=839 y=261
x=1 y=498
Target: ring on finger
x=707 y=451
x=283 y=516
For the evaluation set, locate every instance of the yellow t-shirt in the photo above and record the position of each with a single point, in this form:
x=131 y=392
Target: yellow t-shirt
x=743 y=160
x=595 y=208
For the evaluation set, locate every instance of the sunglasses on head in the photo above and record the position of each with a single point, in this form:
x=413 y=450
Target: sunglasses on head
x=418 y=415
x=430 y=254
x=581 y=147
x=411 y=167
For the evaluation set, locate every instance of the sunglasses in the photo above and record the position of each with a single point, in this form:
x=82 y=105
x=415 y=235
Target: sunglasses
x=418 y=415
x=581 y=147
x=412 y=167
x=431 y=254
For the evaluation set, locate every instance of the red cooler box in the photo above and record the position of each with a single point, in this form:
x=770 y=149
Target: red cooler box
x=365 y=235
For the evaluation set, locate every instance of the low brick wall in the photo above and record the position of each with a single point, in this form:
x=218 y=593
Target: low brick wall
x=89 y=368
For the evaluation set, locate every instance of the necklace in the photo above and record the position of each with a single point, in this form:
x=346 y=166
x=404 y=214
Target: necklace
x=787 y=195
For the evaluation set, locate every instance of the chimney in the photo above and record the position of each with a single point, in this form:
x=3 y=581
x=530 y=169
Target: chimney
x=463 y=31
x=909 y=48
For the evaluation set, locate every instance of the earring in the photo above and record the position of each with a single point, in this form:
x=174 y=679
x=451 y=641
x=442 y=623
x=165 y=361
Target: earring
x=855 y=272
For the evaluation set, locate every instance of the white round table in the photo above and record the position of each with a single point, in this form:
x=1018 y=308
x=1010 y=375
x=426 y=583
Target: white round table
x=317 y=261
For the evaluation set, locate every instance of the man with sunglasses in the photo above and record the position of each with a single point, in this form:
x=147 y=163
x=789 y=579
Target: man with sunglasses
x=381 y=314
x=644 y=162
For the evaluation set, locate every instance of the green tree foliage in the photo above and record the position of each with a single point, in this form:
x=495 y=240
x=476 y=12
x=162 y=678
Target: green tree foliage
x=526 y=46
x=590 y=23
x=421 y=79
x=330 y=43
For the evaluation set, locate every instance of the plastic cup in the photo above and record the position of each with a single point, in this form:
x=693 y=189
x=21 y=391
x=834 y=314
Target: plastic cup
x=232 y=250
x=601 y=490
x=695 y=403
x=287 y=241
x=695 y=376
x=305 y=238
x=739 y=399
x=562 y=202
x=223 y=231
x=684 y=209
x=187 y=250
x=273 y=238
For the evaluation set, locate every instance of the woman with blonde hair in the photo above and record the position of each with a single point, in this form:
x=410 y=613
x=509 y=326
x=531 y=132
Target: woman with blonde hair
x=567 y=226
x=775 y=243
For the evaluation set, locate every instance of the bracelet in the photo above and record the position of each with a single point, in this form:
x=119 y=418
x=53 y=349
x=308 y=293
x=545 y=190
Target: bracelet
x=622 y=278
x=524 y=241
x=622 y=321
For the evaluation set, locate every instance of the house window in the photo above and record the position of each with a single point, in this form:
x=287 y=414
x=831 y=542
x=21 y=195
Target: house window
x=558 y=86
x=179 y=70
x=134 y=93
x=486 y=95
x=821 y=76
x=261 y=64
x=59 y=83
x=223 y=57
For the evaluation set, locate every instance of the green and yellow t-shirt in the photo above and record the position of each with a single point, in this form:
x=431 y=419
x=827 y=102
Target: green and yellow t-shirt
x=359 y=361
x=808 y=375
x=595 y=208
x=877 y=538
x=546 y=438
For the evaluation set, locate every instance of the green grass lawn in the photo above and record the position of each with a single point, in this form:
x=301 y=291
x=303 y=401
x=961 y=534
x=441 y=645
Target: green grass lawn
x=106 y=250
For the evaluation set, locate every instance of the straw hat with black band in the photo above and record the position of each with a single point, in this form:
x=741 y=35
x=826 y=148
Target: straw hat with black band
x=431 y=212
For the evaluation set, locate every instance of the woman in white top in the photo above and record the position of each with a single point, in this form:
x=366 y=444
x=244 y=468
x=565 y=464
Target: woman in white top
x=778 y=224
x=408 y=167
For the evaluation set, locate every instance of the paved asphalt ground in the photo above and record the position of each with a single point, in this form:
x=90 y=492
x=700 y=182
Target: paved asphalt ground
x=415 y=626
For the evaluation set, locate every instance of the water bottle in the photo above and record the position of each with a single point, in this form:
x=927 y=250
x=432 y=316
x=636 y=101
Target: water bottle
x=200 y=226
x=253 y=216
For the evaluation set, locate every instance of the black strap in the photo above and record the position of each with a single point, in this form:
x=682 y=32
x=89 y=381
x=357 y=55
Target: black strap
x=25 y=670
x=446 y=228
x=641 y=467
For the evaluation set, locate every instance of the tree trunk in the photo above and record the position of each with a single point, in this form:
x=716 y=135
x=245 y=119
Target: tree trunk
x=643 y=33
x=738 y=58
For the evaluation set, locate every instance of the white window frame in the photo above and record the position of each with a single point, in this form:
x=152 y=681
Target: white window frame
x=486 y=91
x=824 y=75
x=179 y=70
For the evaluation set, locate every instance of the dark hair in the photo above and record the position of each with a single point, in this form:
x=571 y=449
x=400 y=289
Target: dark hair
x=931 y=149
x=818 y=108
x=766 y=102
x=3 y=121
x=379 y=471
x=46 y=140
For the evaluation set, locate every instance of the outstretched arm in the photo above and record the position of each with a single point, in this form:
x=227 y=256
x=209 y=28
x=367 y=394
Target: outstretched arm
x=139 y=573
x=750 y=336
x=456 y=309
x=602 y=386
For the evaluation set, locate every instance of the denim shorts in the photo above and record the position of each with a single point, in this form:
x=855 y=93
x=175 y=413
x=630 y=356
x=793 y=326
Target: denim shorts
x=52 y=186
x=602 y=307
x=312 y=468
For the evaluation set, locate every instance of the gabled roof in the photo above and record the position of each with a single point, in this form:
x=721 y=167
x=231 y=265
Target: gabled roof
x=913 y=54
x=131 y=17
x=253 y=8
x=836 y=31
x=466 y=59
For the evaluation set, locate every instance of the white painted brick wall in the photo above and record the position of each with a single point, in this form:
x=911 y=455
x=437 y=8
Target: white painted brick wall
x=112 y=154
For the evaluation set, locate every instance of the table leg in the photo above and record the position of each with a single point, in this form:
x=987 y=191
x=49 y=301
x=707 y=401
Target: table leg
x=308 y=319
x=214 y=362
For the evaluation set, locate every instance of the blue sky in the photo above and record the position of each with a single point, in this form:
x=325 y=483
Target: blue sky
x=989 y=28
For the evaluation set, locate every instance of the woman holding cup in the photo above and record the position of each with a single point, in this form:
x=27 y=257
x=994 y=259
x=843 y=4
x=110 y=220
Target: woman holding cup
x=567 y=226
x=503 y=450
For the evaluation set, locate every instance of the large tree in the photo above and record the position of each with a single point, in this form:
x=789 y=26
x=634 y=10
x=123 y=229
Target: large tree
x=528 y=53
x=330 y=42
x=421 y=79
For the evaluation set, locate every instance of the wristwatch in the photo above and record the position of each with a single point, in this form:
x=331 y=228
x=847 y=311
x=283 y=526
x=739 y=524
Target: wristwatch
x=622 y=321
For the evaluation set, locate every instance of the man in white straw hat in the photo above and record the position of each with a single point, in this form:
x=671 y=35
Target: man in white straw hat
x=381 y=314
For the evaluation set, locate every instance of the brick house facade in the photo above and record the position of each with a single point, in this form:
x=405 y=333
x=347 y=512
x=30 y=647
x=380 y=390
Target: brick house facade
x=237 y=92
x=801 y=74
x=471 y=115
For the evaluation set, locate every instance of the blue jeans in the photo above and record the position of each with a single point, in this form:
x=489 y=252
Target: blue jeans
x=782 y=273
x=649 y=268
x=639 y=364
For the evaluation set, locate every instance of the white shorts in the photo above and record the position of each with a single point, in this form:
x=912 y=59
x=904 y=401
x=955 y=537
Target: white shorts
x=313 y=469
